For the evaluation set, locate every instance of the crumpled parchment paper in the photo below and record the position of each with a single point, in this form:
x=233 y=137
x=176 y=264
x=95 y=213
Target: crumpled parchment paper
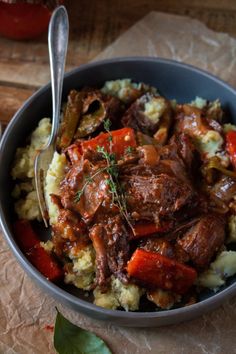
x=27 y=313
x=179 y=38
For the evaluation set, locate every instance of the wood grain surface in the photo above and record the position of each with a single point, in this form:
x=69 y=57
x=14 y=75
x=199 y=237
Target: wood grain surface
x=93 y=25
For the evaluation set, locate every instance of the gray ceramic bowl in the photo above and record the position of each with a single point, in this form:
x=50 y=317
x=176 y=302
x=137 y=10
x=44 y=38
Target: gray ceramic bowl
x=174 y=80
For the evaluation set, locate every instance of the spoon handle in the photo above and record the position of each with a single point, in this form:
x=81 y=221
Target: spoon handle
x=58 y=34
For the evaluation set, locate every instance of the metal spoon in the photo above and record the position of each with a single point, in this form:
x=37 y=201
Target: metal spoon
x=58 y=34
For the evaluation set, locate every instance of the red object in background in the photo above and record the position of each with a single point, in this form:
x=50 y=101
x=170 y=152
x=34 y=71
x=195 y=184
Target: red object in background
x=23 y=21
x=231 y=146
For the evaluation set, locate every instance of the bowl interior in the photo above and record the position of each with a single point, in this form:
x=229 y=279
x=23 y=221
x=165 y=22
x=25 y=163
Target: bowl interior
x=173 y=80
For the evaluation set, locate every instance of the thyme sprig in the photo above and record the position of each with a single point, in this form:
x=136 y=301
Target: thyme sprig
x=88 y=180
x=118 y=197
x=115 y=188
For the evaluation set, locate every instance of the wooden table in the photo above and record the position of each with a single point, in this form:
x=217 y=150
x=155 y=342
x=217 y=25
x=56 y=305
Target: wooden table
x=93 y=26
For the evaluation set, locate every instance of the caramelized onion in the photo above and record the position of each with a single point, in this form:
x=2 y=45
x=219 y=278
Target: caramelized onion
x=150 y=155
x=215 y=163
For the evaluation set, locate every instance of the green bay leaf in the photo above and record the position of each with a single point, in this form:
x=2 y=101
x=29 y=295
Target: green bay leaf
x=71 y=339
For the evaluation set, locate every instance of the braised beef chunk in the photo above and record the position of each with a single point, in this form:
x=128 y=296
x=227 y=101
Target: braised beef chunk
x=190 y=120
x=165 y=248
x=118 y=248
x=204 y=239
x=95 y=191
x=182 y=150
x=97 y=235
x=160 y=245
x=156 y=196
x=110 y=241
x=69 y=231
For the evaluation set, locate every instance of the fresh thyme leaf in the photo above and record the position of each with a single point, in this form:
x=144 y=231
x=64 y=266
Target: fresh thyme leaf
x=88 y=179
x=107 y=124
x=78 y=195
x=113 y=170
x=129 y=150
x=100 y=149
x=71 y=339
x=111 y=185
x=118 y=197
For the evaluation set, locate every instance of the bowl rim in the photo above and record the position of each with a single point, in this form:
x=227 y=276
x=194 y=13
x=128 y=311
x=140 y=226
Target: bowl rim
x=62 y=294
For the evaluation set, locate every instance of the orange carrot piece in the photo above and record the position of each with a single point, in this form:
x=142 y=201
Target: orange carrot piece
x=45 y=263
x=157 y=271
x=30 y=245
x=25 y=235
x=147 y=229
x=121 y=140
x=231 y=146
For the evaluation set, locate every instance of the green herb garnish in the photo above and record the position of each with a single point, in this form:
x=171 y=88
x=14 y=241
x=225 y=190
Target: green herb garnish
x=129 y=150
x=118 y=197
x=88 y=180
x=107 y=125
x=71 y=339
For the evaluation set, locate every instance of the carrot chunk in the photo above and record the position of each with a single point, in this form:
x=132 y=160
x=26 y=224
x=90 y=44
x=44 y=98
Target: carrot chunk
x=231 y=146
x=157 y=271
x=30 y=245
x=121 y=140
x=45 y=263
x=25 y=235
x=147 y=229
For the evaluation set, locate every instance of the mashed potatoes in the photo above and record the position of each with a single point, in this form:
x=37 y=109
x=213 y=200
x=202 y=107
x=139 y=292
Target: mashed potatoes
x=210 y=143
x=119 y=295
x=223 y=267
x=55 y=175
x=81 y=272
x=199 y=102
x=27 y=208
x=23 y=166
x=155 y=108
x=125 y=89
x=26 y=205
x=232 y=229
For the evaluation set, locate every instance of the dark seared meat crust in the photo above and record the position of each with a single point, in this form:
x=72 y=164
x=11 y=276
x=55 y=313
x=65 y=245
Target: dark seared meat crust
x=204 y=239
x=157 y=196
x=111 y=245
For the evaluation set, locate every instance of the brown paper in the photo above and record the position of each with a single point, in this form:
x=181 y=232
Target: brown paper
x=26 y=311
x=179 y=38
